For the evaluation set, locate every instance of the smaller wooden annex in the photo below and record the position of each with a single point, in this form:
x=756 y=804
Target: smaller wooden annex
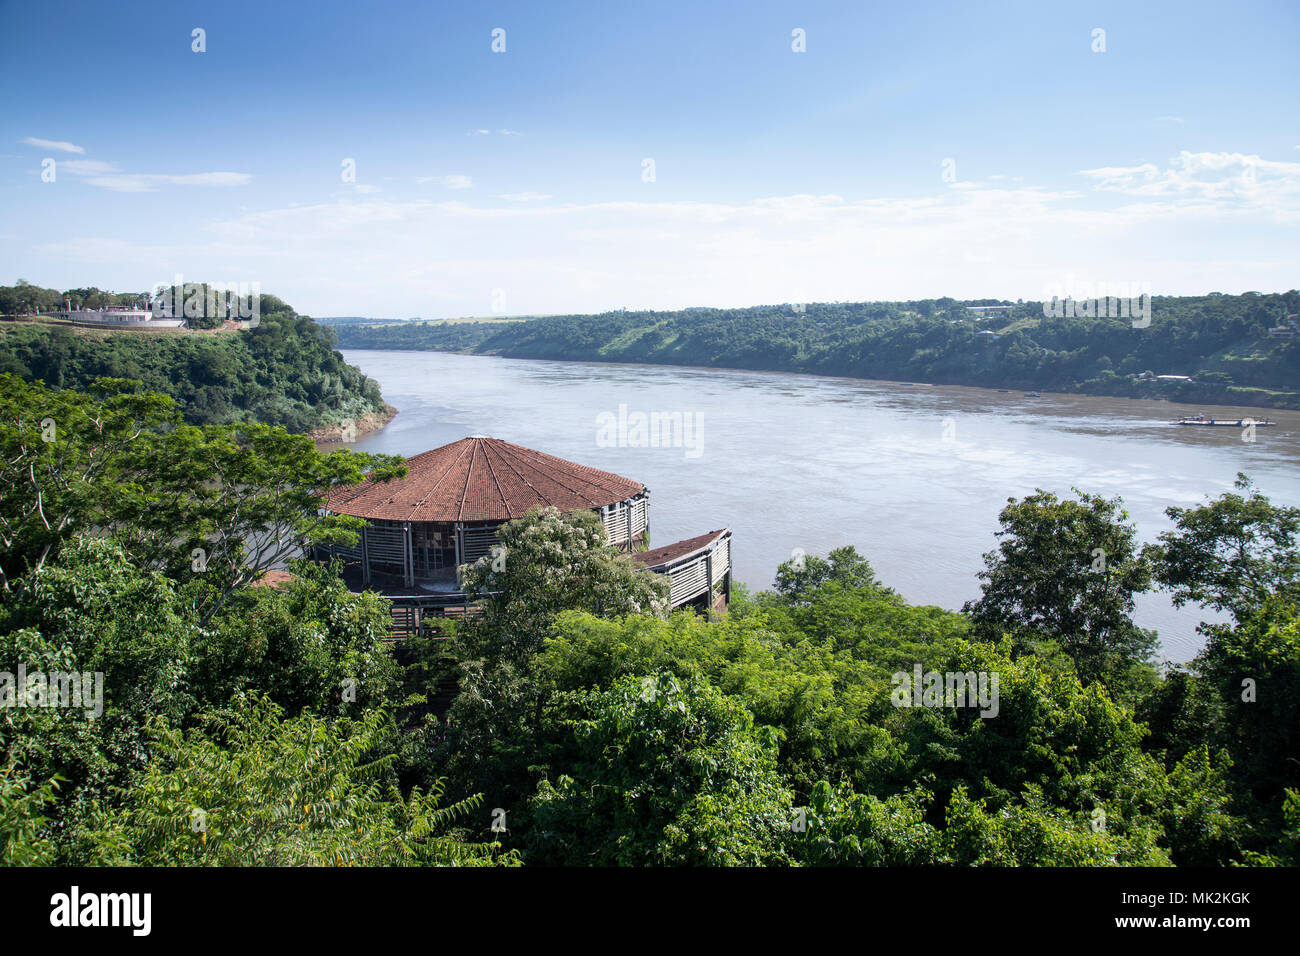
x=446 y=512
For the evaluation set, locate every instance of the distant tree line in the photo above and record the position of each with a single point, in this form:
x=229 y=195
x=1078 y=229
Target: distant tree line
x=1220 y=341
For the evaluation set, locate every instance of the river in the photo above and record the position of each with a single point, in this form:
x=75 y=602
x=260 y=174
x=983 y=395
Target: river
x=912 y=475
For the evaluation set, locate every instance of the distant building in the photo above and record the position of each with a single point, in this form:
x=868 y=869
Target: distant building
x=1173 y=378
x=1287 y=330
x=116 y=316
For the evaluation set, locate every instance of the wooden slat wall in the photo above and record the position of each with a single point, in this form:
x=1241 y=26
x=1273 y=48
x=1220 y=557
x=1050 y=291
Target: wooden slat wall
x=348 y=554
x=721 y=559
x=615 y=518
x=477 y=542
x=386 y=545
x=688 y=581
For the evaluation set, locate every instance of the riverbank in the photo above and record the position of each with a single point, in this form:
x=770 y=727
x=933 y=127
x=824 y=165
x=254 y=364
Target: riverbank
x=354 y=429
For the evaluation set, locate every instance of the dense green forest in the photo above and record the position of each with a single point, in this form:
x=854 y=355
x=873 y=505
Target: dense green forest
x=1220 y=341
x=244 y=724
x=283 y=372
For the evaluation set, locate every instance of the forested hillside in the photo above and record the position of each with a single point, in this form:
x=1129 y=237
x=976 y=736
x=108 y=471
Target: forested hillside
x=283 y=372
x=1220 y=341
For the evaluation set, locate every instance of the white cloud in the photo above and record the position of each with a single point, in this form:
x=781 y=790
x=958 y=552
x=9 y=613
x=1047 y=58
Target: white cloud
x=86 y=167
x=1220 y=181
x=366 y=189
x=479 y=132
x=55 y=144
x=455 y=181
x=524 y=196
x=108 y=176
x=149 y=182
x=509 y=132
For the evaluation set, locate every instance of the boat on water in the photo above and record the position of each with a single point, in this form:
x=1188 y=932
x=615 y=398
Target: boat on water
x=1032 y=395
x=1224 y=422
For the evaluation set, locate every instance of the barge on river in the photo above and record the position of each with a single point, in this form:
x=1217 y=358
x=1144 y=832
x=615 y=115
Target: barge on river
x=1224 y=422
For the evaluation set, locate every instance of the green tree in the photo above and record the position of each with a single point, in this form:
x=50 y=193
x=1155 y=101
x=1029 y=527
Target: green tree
x=1067 y=572
x=214 y=506
x=1233 y=553
x=660 y=772
x=58 y=451
x=250 y=787
x=1253 y=670
x=24 y=826
x=547 y=562
x=800 y=575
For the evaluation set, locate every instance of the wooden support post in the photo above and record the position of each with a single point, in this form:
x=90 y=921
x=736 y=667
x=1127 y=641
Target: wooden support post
x=460 y=549
x=408 y=558
x=708 y=577
x=365 y=557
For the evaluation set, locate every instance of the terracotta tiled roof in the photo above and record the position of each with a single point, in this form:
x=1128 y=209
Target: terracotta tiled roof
x=482 y=479
x=668 y=553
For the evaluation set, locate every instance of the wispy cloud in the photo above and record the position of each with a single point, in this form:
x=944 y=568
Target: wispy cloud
x=455 y=181
x=106 y=175
x=87 y=167
x=1223 y=181
x=149 y=182
x=478 y=132
x=524 y=196
x=55 y=144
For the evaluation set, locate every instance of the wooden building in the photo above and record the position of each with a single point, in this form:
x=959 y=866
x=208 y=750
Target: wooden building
x=445 y=513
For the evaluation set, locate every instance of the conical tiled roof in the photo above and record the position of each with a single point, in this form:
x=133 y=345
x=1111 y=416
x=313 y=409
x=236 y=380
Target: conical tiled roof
x=482 y=479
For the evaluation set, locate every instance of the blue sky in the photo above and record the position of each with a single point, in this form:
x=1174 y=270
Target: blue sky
x=514 y=181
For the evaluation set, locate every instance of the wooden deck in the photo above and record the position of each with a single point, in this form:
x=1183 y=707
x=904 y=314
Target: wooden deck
x=698 y=570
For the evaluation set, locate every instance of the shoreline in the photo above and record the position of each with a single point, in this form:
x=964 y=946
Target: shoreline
x=365 y=425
